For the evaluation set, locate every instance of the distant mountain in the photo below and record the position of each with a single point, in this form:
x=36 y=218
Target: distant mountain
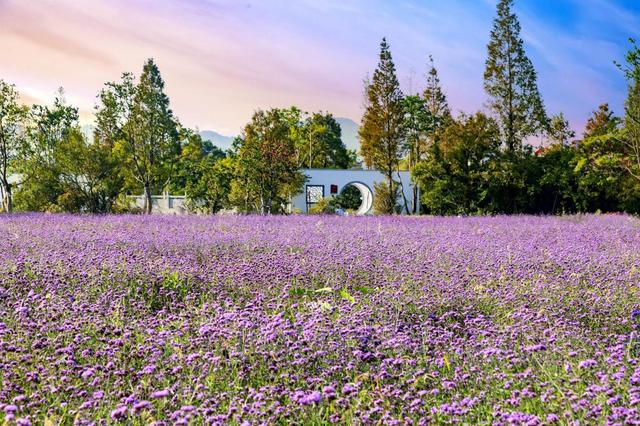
x=221 y=141
x=349 y=133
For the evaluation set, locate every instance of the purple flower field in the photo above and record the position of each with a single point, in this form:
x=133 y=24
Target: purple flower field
x=318 y=320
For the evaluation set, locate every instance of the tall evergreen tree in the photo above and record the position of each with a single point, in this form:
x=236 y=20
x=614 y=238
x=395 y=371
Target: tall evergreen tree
x=434 y=96
x=382 y=130
x=138 y=122
x=511 y=81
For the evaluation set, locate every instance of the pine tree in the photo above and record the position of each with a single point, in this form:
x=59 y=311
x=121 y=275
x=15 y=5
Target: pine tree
x=511 y=81
x=434 y=96
x=382 y=131
x=159 y=145
x=138 y=122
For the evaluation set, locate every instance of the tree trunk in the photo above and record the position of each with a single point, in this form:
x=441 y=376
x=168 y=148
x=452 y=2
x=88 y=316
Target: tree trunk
x=148 y=200
x=392 y=193
x=404 y=198
x=266 y=206
x=414 y=206
x=7 y=199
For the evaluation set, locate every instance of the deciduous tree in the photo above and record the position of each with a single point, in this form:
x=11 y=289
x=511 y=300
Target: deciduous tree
x=631 y=139
x=267 y=173
x=602 y=122
x=13 y=122
x=559 y=130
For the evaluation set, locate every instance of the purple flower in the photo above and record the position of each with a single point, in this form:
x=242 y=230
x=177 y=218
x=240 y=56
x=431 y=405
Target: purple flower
x=587 y=363
x=310 y=398
x=348 y=388
x=87 y=373
x=329 y=391
x=119 y=413
x=160 y=394
x=10 y=408
x=141 y=405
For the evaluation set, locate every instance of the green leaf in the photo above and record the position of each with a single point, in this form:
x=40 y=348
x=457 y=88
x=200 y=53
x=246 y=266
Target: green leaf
x=345 y=295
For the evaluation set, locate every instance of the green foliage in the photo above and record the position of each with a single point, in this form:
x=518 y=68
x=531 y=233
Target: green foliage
x=203 y=173
x=558 y=183
x=559 y=130
x=266 y=172
x=349 y=200
x=319 y=143
x=211 y=192
x=602 y=122
x=324 y=206
x=13 y=117
x=456 y=177
x=40 y=172
x=386 y=197
x=89 y=175
x=598 y=173
x=136 y=120
x=434 y=97
x=631 y=140
x=511 y=81
x=197 y=156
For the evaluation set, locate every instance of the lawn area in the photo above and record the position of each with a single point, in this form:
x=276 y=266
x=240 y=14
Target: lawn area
x=319 y=320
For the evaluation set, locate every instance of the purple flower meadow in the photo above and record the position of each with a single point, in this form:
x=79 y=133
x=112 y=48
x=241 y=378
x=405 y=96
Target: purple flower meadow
x=318 y=320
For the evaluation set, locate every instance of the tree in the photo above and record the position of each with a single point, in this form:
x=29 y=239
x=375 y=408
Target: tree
x=196 y=157
x=13 y=123
x=434 y=97
x=210 y=193
x=596 y=167
x=385 y=201
x=49 y=126
x=138 y=122
x=89 y=175
x=559 y=130
x=631 y=140
x=511 y=82
x=203 y=174
x=602 y=122
x=320 y=144
x=382 y=131
x=418 y=123
x=455 y=176
x=558 y=188
x=267 y=173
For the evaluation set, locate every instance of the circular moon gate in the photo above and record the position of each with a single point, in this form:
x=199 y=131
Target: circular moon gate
x=366 y=197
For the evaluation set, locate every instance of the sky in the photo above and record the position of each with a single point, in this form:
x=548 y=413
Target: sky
x=223 y=59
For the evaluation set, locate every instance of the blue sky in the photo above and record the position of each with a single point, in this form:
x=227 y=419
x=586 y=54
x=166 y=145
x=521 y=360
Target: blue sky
x=222 y=59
